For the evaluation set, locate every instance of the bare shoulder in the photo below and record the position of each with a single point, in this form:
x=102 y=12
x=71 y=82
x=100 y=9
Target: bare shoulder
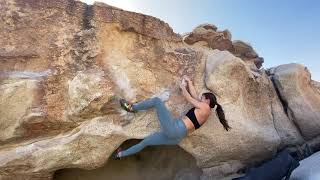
x=204 y=107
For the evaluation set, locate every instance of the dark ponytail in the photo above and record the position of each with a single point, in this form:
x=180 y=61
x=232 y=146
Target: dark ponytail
x=221 y=117
x=219 y=110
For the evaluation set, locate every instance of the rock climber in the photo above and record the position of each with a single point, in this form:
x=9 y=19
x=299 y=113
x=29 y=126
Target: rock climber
x=174 y=130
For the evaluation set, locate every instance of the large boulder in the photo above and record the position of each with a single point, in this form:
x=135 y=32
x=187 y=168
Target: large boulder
x=247 y=53
x=17 y=99
x=64 y=65
x=253 y=109
x=252 y=136
x=300 y=96
x=215 y=39
x=222 y=40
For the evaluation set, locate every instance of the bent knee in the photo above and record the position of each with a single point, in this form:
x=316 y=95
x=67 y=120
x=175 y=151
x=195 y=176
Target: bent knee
x=157 y=100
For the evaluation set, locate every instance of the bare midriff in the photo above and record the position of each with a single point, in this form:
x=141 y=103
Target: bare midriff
x=188 y=124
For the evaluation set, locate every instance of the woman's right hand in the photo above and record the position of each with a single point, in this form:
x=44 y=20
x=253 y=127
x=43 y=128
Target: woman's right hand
x=182 y=86
x=183 y=83
x=186 y=78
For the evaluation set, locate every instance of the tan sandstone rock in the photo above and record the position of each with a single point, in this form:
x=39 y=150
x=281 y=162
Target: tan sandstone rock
x=64 y=65
x=300 y=96
x=221 y=40
x=208 y=33
x=247 y=53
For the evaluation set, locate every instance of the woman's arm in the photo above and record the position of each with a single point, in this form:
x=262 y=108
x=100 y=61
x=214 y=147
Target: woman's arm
x=189 y=98
x=192 y=89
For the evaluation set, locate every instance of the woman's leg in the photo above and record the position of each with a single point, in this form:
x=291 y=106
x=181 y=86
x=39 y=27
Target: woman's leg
x=164 y=115
x=158 y=138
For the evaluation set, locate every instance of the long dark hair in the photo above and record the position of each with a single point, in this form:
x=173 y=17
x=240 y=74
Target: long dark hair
x=219 y=110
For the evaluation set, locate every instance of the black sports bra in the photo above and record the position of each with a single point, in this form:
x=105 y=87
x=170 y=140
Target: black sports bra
x=193 y=118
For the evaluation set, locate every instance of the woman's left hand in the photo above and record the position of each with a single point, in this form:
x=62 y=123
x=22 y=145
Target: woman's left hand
x=182 y=86
x=186 y=78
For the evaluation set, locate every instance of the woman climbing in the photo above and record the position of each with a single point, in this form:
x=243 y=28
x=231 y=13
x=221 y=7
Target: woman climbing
x=173 y=131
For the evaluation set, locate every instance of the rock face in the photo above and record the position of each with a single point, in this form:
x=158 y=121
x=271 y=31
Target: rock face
x=208 y=33
x=300 y=96
x=221 y=40
x=64 y=65
x=247 y=53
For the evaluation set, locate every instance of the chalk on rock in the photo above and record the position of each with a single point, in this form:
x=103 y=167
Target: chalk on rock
x=163 y=95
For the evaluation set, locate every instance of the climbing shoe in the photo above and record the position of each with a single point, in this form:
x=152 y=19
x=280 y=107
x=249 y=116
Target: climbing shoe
x=126 y=105
x=117 y=154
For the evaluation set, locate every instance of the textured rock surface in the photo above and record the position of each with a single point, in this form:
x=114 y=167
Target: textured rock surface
x=222 y=40
x=247 y=53
x=64 y=65
x=208 y=33
x=17 y=98
x=301 y=97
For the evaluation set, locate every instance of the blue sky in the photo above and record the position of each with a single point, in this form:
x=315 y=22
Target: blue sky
x=281 y=31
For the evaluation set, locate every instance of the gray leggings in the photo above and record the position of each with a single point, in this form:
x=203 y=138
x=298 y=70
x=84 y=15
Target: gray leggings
x=172 y=131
